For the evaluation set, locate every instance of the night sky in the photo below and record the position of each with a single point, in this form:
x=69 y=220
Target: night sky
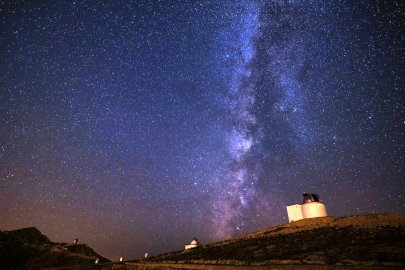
x=135 y=126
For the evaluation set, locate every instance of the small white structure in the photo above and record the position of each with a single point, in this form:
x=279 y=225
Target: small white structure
x=294 y=212
x=146 y=255
x=311 y=207
x=75 y=241
x=121 y=259
x=97 y=261
x=194 y=243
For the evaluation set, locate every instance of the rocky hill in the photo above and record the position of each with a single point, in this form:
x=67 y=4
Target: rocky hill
x=28 y=248
x=358 y=240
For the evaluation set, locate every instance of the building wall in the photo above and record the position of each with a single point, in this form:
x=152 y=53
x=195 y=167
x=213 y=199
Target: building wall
x=294 y=212
x=191 y=246
x=313 y=209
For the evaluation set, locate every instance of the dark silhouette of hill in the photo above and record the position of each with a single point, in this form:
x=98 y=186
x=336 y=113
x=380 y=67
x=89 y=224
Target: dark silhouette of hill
x=28 y=248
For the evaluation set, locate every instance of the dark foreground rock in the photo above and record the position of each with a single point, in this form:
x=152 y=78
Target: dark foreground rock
x=28 y=248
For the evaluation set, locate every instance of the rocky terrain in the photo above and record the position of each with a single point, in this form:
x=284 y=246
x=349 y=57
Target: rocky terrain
x=358 y=242
x=28 y=248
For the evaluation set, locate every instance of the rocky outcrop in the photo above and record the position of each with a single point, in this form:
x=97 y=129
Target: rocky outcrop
x=29 y=236
x=28 y=248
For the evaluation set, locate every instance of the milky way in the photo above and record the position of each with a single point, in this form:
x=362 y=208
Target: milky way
x=135 y=126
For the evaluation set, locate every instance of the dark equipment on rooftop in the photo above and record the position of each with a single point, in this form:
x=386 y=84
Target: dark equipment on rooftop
x=308 y=197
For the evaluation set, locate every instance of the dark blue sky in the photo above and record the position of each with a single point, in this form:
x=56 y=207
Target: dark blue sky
x=138 y=125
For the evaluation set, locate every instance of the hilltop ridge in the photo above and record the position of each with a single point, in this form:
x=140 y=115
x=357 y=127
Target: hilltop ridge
x=28 y=248
x=357 y=240
x=30 y=235
x=375 y=241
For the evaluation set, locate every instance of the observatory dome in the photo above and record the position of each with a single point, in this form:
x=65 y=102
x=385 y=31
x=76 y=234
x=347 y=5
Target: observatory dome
x=194 y=241
x=312 y=206
x=309 y=197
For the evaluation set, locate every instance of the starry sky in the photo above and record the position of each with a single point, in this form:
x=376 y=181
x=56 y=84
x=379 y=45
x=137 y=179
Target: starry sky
x=135 y=126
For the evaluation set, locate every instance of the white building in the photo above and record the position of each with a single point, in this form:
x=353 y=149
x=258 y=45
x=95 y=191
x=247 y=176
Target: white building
x=194 y=243
x=294 y=212
x=311 y=207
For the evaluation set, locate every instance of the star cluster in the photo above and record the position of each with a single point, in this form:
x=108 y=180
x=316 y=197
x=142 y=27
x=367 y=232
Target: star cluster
x=135 y=126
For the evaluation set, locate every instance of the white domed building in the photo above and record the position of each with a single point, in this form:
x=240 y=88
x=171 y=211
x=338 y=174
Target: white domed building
x=194 y=243
x=312 y=207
